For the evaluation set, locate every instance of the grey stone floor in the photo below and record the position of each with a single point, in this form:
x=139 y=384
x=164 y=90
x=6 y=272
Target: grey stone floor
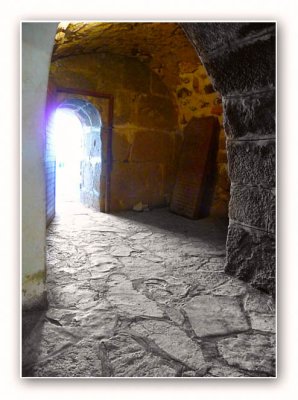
x=145 y=295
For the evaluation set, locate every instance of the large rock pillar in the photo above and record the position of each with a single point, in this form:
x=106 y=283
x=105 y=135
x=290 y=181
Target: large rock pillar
x=240 y=59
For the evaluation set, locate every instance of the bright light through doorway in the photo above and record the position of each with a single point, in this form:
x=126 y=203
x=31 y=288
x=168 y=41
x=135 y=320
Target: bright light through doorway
x=68 y=136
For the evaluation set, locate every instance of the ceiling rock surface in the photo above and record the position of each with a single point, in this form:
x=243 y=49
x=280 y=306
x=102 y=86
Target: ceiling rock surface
x=163 y=46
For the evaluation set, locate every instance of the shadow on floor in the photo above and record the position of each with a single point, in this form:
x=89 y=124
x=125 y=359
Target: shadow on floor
x=162 y=218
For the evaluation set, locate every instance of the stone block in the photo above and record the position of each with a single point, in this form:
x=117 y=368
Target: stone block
x=211 y=36
x=251 y=256
x=173 y=341
x=245 y=69
x=263 y=322
x=254 y=353
x=128 y=358
x=95 y=62
x=252 y=162
x=238 y=57
x=101 y=72
x=156 y=112
x=121 y=145
x=259 y=302
x=109 y=72
x=253 y=206
x=72 y=79
x=130 y=302
x=124 y=107
x=215 y=315
x=250 y=116
x=153 y=146
x=76 y=361
x=136 y=75
x=135 y=182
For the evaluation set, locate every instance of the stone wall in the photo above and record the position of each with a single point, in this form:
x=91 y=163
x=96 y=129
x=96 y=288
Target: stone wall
x=240 y=58
x=196 y=97
x=146 y=138
x=166 y=51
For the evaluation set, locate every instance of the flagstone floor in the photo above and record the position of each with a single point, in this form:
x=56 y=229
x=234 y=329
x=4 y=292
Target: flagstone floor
x=145 y=295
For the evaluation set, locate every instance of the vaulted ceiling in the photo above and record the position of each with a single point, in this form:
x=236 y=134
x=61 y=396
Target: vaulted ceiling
x=163 y=46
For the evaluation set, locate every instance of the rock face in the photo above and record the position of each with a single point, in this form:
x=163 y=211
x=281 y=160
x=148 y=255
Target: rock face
x=242 y=119
x=166 y=310
x=127 y=358
x=251 y=256
x=65 y=365
x=250 y=352
x=127 y=300
x=215 y=315
x=240 y=58
x=252 y=163
x=253 y=206
x=174 y=342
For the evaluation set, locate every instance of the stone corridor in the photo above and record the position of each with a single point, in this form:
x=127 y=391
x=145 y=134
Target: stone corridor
x=145 y=295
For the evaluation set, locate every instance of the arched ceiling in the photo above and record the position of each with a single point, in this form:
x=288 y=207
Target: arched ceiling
x=163 y=46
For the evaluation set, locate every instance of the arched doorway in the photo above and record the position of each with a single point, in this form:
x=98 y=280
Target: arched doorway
x=74 y=149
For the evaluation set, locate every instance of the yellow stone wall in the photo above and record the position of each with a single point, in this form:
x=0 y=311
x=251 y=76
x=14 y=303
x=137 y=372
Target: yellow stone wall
x=196 y=97
x=146 y=138
x=169 y=72
x=149 y=118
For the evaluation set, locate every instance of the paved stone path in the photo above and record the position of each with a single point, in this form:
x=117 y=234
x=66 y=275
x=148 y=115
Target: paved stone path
x=145 y=295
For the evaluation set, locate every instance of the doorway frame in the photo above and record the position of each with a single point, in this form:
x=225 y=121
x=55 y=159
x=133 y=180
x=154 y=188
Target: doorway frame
x=108 y=129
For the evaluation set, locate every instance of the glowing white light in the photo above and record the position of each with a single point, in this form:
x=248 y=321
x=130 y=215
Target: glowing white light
x=67 y=139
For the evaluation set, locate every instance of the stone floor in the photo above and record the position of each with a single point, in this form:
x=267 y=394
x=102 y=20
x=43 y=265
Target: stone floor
x=145 y=295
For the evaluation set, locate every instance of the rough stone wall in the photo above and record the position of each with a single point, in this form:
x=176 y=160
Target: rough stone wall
x=240 y=58
x=196 y=97
x=146 y=137
x=167 y=52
